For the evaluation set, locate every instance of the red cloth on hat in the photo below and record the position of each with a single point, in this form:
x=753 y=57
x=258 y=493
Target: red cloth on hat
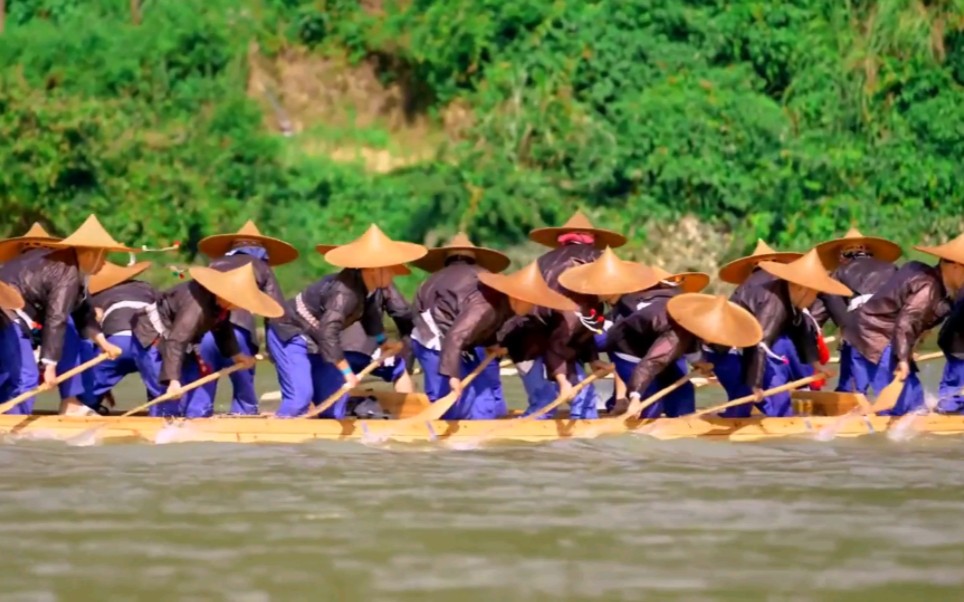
x=582 y=238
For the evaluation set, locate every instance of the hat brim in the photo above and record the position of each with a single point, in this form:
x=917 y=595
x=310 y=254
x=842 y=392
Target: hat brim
x=12 y=247
x=545 y=297
x=822 y=282
x=102 y=281
x=736 y=328
x=279 y=252
x=10 y=298
x=549 y=237
x=633 y=277
x=942 y=252
x=490 y=259
x=395 y=253
x=738 y=270
x=253 y=301
x=398 y=270
x=879 y=248
x=690 y=282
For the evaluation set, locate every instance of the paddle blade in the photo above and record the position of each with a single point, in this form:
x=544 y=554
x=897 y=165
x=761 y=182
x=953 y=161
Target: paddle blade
x=888 y=397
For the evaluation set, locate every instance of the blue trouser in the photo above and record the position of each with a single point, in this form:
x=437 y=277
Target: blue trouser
x=845 y=384
x=951 y=391
x=148 y=362
x=20 y=372
x=680 y=402
x=389 y=370
x=106 y=375
x=305 y=378
x=245 y=399
x=728 y=367
x=870 y=376
x=482 y=399
x=541 y=392
x=70 y=357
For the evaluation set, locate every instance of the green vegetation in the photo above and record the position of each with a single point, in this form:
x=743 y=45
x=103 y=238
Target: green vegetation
x=786 y=121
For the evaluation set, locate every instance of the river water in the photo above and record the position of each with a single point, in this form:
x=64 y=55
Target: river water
x=624 y=518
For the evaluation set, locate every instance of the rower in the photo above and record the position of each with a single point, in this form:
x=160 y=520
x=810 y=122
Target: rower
x=885 y=329
x=116 y=298
x=306 y=344
x=53 y=284
x=456 y=317
x=37 y=241
x=168 y=332
x=230 y=251
x=863 y=264
x=776 y=295
x=560 y=343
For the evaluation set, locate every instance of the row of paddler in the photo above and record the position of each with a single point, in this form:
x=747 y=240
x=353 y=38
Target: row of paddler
x=554 y=317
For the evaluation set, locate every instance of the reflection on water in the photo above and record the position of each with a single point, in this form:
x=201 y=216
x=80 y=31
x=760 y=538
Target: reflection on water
x=624 y=518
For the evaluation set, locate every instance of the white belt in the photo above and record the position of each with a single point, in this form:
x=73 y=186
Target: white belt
x=123 y=305
x=27 y=320
x=858 y=301
x=643 y=304
x=629 y=358
x=155 y=318
x=306 y=315
x=435 y=343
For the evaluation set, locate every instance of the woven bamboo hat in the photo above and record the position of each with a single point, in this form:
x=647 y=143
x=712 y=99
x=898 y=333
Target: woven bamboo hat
x=10 y=297
x=714 y=319
x=111 y=274
x=92 y=235
x=609 y=275
x=490 y=259
x=808 y=271
x=528 y=285
x=688 y=282
x=738 y=270
x=373 y=249
x=949 y=251
x=239 y=287
x=879 y=248
x=279 y=252
x=577 y=223
x=36 y=236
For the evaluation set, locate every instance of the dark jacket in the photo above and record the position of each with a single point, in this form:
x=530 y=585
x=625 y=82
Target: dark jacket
x=133 y=294
x=768 y=299
x=398 y=309
x=912 y=301
x=467 y=313
x=864 y=275
x=951 y=337
x=187 y=312
x=267 y=283
x=53 y=289
x=333 y=303
x=650 y=334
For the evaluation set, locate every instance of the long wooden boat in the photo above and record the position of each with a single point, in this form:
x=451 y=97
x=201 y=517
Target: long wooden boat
x=261 y=429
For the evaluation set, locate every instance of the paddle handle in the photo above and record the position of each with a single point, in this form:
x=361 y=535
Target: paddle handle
x=188 y=387
x=435 y=410
x=334 y=397
x=4 y=407
x=637 y=406
x=751 y=398
x=929 y=356
x=565 y=397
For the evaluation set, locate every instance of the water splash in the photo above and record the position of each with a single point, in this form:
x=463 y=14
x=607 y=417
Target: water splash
x=86 y=438
x=175 y=432
x=909 y=426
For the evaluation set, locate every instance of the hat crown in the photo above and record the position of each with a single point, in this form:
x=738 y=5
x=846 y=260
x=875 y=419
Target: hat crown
x=36 y=231
x=853 y=233
x=762 y=248
x=461 y=239
x=577 y=221
x=249 y=229
x=90 y=234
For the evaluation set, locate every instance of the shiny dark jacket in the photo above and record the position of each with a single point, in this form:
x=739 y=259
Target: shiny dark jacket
x=468 y=314
x=53 y=289
x=119 y=319
x=188 y=312
x=912 y=301
x=267 y=283
x=650 y=334
x=394 y=304
x=951 y=337
x=335 y=302
x=768 y=299
x=864 y=275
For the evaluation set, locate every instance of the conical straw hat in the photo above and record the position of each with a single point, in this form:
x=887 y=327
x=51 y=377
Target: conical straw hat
x=577 y=223
x=528 y=285
x=609 y=275
x=688 y=282
x=111 y=274
x=374 y=250
x=738 y=270
x=949 y=251
x=239 y=287
x=36 y=236
x=714 y=319
x=879 y=248
x=10 y=297
x=91 y=235
x=279 y=252
x=808 y=271
x=490 y=259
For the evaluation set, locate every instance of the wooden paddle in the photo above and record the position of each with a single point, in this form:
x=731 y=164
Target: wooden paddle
x=753 y=398
x=563 y=397
x=6 y=406
x=637 y=406
x=334 y=397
